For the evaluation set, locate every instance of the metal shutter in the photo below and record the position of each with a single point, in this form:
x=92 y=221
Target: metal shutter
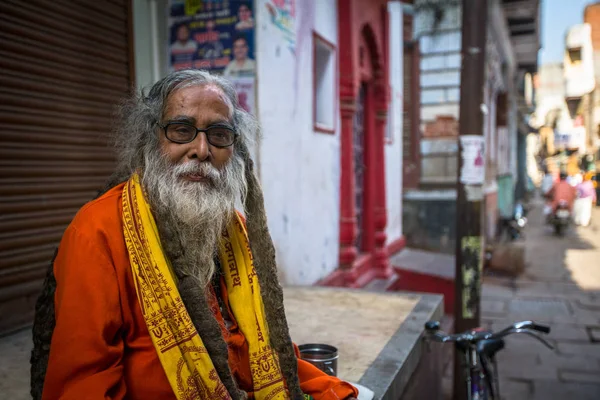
x=63 y=66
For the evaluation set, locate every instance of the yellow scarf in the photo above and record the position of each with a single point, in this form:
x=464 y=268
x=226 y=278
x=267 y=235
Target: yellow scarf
x=186 y=362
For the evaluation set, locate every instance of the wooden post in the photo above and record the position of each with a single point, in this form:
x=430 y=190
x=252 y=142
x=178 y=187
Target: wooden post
x=471 y=176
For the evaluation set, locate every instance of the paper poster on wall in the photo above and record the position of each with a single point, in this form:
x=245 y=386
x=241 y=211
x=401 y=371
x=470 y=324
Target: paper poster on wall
x=244 y=86
x=216 y=35
x=473 y=160
x=283 y=17
x=574 y=138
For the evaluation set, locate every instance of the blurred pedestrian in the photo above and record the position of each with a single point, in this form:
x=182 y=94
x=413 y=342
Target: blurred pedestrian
x=586 y=198
x=563 y=191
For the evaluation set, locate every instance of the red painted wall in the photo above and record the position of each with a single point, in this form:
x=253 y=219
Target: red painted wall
x=363 y=41
x=592 y=16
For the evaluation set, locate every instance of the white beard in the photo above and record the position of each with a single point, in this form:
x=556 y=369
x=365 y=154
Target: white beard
x=200 y=211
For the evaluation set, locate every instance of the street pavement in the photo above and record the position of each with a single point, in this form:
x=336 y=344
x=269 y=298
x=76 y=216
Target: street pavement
x=561 y=288
x=14 y=365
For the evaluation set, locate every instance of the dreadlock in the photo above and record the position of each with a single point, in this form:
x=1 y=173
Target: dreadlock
x=263 y=251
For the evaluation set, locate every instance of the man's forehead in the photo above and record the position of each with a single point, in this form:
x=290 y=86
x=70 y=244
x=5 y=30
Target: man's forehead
x=189 y=95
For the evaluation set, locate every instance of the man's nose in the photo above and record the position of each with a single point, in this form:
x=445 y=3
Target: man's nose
x=199 y=148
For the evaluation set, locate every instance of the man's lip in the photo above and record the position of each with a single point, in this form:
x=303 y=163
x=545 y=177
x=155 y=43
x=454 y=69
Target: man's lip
x=195 y=177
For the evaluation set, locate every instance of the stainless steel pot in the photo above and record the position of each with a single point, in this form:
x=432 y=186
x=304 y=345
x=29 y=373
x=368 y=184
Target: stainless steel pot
x=322 y=356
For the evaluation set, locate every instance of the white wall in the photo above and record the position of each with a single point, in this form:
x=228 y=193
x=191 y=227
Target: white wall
x=300 y=168
x=393 y=151
x=150 y=41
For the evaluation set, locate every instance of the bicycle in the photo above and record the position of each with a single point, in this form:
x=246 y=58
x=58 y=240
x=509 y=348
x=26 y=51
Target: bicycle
x=479 y=348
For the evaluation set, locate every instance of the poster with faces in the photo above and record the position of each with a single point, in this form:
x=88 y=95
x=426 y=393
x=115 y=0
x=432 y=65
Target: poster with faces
x=215 y=35
x=218 y=36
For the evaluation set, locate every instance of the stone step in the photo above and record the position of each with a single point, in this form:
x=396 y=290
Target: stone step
x=381 y=285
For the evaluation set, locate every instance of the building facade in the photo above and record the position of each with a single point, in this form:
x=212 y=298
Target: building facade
x=429 y=196
x=568 y=111
x=324 y=78
x=511 y=56
x=326 y=189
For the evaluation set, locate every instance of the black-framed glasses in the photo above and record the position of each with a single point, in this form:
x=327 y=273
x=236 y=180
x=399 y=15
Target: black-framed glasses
x=182 y=132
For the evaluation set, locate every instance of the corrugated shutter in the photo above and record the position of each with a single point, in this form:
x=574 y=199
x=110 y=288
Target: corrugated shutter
x=63 y=67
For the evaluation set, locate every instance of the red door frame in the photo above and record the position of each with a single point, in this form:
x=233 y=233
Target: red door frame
x=368 y=229
x=363 y=58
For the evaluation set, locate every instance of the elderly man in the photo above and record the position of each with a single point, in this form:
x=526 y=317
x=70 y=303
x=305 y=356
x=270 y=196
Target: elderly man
x=160 y=289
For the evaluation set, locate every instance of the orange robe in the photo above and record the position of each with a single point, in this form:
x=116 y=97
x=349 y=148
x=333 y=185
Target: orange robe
x=101 y=348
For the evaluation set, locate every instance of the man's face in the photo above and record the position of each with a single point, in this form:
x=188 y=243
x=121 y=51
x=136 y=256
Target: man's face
x=244 y=13
x=201 y=106
x=240 y=50
x=183 y=34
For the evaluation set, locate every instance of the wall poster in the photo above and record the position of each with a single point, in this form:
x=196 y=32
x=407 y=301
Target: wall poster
x=218 y=36
x=283 y=16
x=473 y=159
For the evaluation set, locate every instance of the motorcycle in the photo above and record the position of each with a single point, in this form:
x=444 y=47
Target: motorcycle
x=561 y=218
x=518 y=222
x=514 y=226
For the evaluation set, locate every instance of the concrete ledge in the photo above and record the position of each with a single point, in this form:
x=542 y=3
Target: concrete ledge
x=378 y=335
x=391 y=373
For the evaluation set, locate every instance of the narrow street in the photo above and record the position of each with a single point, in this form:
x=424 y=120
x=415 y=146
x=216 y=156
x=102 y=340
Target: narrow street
x=560 y=287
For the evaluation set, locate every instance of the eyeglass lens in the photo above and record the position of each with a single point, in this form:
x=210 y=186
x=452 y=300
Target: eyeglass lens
x=185 y=133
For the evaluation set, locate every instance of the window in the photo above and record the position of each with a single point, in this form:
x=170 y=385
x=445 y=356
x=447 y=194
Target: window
x=575 y=55
x=324 y=95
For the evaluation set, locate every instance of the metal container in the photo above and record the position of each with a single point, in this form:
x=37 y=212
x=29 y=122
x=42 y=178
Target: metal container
x=322 y=356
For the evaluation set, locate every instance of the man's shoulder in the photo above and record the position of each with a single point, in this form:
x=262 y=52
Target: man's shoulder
x=102 y=213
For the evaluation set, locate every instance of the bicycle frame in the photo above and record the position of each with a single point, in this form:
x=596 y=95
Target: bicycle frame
x=478 y=349
x=474 y=375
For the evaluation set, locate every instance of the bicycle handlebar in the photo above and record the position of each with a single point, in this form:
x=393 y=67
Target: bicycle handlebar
x=541 y=328
x=526 y=327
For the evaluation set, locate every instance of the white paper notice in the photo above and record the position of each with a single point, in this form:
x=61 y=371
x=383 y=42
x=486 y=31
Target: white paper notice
x=245 y=86
x=473 y=160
